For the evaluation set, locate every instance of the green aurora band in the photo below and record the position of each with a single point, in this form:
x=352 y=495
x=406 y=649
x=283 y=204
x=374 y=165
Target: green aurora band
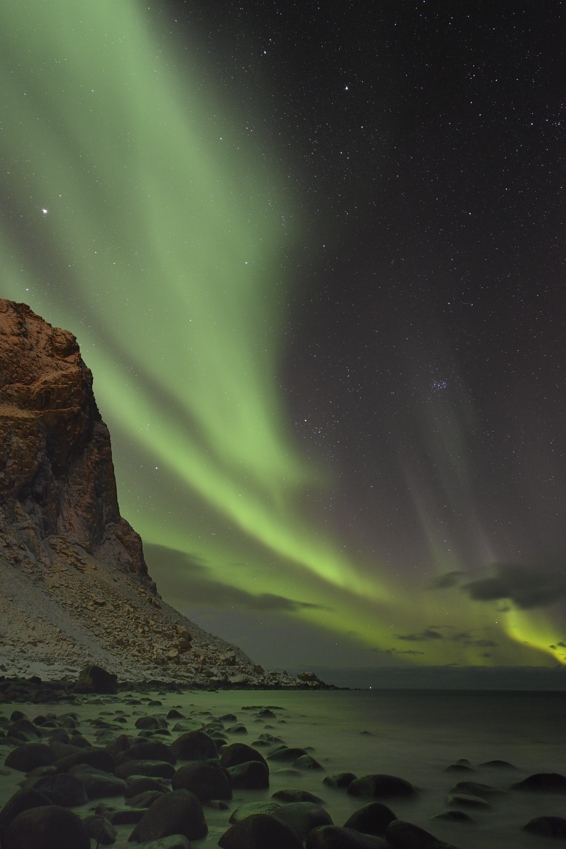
x=138 y=216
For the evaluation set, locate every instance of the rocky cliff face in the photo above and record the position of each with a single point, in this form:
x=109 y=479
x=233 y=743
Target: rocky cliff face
x=74 y=586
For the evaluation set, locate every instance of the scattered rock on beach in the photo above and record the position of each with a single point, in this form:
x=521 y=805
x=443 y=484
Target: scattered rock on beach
x=339 y=780
x=474 y=788
x=259 y=832
x=297 y=796
x=250 y=775
x=194 y=746
x=405 y=835
x=384 y=786
x=179 y=812
x=46 y=828
x=100 y=829
x=498 y=765
x=239 y=753
x=467 y=800
x=371 y=819
x=541 y=782
x=453 y=816
x=547 y=826
x=28 y=756
x=303 y=817
x=155 y=769
x=95 y=679
x=204 y=780
x=333 y=837
x=251 y=808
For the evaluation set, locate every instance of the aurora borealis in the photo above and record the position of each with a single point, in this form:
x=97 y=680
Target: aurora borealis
x=319 y=286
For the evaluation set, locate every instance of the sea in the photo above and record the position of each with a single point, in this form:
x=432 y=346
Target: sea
x=418 y=735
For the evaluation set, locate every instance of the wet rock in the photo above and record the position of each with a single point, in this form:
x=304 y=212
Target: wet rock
x=303 y=817
x=179 y=812
x=547 y=826
x=98 y=758
x=371 y=819
x=297 y=796
x=145 y=799
x=453 y=816
x=152 y=750
x=542 y=782
x=250 y=775
x=205 y=781
x=307 y=762
x=29 y=756
x=383 y=786
x=139 y=784
x=174 y=714
x=98 y=784
x=339 y=780
x=474 y=788
x=250 y=808
x=95 y=679
x=23 y=729
x=64 y=789
x=405 y=835
x=237 y=729
x=155 y=769
x=194 y=746
x=23 y=800
x=100 y=829
x=239 y=753
x=333 y=837
x=286 y=753
x=260 y=831
x=499 y=765
x=467 y=800
x=149 y=723
x=49 y=827
x=458 y=767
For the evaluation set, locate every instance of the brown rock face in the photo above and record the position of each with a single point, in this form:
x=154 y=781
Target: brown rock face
x=56 y=472
x=74 y=586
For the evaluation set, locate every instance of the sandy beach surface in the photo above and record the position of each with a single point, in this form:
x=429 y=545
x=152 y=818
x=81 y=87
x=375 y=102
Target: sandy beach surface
x=418 y=736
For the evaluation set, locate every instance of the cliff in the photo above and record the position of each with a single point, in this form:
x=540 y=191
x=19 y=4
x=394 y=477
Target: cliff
x=75 y=588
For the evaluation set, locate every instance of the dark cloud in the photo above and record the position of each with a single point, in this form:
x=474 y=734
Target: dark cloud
x=444 y=582
x=187 y=576
x=433 y=632
x=424 y=636
x=537 y=584
x=526 y=586
x=407 y=651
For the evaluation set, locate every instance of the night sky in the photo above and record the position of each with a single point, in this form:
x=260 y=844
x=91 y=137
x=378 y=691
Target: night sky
x=314 y=256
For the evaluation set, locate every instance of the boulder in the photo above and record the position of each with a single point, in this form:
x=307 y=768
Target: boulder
x=179 y=812
x=251 y=775
x=239 y=753
x=405 y=835
x=205 y=781
x=95 y=679
x=260 y=831
x=29 y=756
x=332 y=837
x=194 y=746
x=48 y=827
x=542 y=782
x=371 y=819
x=381 y=786
x=547 y=827
x=303 y=817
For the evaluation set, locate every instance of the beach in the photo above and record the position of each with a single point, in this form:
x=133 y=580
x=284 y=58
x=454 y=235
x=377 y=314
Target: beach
x=419 y=736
